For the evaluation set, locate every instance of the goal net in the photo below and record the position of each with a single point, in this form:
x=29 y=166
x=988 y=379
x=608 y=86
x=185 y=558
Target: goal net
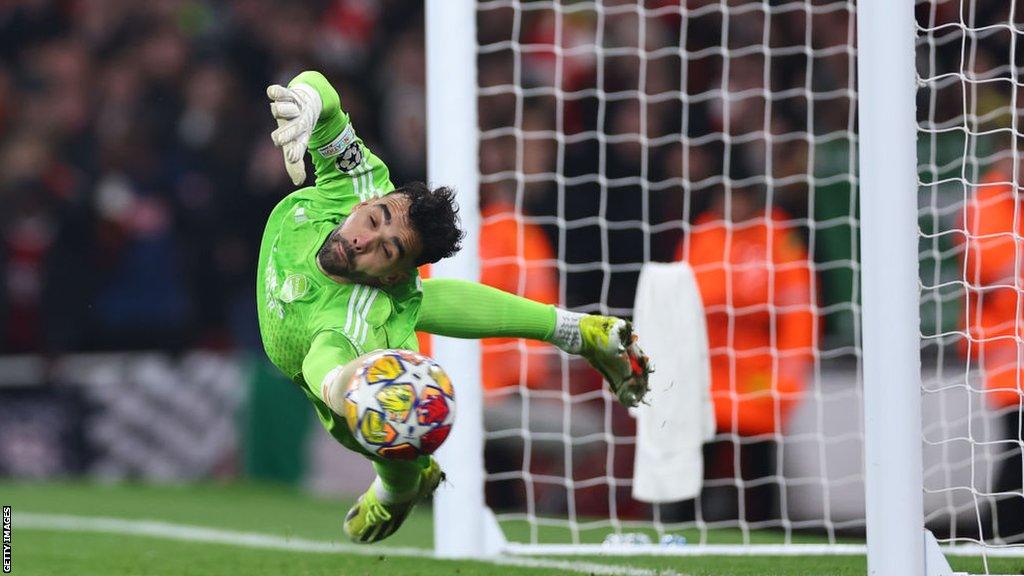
x=718 y=133
x=724 y=133
x=971 y=254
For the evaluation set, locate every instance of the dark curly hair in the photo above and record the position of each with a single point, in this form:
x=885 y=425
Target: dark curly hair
x=434 y=215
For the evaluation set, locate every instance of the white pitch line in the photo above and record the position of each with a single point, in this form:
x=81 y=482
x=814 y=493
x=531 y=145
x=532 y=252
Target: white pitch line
x=992 y=551
x=200 y=534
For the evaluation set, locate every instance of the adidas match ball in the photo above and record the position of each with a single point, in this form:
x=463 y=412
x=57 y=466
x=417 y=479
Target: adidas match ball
x=400 y=405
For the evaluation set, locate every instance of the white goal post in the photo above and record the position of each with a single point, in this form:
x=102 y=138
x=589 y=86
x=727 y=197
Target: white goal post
x=889 y=272
x=868 y=125
x=452 y=160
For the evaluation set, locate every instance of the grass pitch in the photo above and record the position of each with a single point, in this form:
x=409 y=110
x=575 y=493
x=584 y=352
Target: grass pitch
x=259 y=530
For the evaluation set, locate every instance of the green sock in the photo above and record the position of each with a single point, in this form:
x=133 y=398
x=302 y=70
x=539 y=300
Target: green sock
x=397 y=480
x=463 y=309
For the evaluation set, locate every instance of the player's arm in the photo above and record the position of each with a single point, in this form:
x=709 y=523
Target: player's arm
x=310 y=117
x=462 y=309
x=329 y=365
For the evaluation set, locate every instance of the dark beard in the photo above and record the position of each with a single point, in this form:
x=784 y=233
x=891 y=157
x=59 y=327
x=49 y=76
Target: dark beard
x=328 y=257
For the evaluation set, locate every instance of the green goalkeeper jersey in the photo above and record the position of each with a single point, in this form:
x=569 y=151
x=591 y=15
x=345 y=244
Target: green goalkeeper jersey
x=310 y=324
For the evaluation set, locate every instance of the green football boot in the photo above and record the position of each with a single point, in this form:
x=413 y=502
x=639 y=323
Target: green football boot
x=371 y=520
x=610 y=346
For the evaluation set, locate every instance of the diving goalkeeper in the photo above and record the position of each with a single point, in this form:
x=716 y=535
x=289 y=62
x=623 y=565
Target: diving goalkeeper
x=337 y=280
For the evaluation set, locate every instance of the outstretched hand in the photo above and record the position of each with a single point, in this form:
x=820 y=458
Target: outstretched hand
x=296 y=111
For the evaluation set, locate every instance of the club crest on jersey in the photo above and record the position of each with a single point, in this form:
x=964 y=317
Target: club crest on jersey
x=350 y=158
x=295 y=287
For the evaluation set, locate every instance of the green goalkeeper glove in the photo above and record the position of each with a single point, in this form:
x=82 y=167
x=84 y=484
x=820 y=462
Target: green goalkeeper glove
x=296 y=111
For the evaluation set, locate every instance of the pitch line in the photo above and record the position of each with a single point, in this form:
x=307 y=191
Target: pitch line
x=203 y=535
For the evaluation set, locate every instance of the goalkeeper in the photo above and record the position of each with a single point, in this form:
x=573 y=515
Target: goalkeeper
x=337 y=279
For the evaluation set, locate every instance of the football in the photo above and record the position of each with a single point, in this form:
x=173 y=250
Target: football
x=400 y=405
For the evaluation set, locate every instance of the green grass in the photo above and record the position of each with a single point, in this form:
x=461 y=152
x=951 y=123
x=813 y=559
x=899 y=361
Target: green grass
x=243 y=507
x=46 y=553
x=283 y=512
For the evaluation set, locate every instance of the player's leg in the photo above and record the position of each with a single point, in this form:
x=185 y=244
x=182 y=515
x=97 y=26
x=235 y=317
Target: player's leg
x=399 y=484
x=399 y=487
x=464 y=309
x=397 y=480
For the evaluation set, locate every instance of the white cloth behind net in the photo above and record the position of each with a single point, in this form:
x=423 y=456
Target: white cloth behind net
x=677 y=417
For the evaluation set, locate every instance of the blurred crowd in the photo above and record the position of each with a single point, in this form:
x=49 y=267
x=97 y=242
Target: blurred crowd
x=136 y=168
x=136 y=174
x=680 y=131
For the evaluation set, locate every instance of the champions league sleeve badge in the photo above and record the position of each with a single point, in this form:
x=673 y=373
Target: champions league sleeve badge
x=346 y=150
x=349 y=158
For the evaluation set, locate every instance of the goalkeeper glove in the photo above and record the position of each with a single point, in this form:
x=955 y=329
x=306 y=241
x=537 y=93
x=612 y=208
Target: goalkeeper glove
x=296 y=111
x=610 y=346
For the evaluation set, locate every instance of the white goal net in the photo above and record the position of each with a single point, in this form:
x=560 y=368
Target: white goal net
x=720 y=133
x=971 y=254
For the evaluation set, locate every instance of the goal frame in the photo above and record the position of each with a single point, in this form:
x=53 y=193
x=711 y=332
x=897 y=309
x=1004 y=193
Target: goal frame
x=896 y=539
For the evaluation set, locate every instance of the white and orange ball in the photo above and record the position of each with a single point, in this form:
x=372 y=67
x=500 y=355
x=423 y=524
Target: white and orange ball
x=400 y=404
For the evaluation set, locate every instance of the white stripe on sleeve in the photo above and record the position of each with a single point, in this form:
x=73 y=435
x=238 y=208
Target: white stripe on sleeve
x=361 y=337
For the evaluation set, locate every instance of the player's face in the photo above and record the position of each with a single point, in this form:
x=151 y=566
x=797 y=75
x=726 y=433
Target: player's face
x=375 y=244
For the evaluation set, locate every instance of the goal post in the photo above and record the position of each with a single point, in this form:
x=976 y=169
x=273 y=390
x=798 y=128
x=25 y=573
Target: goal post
x=889 y=278
x=460 y=529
